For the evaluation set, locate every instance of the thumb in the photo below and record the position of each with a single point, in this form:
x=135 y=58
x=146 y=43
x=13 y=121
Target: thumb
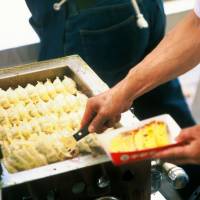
x=184 y=136
x=88 y=114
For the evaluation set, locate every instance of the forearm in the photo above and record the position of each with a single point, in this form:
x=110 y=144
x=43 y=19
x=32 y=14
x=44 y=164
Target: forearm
x=177 y=53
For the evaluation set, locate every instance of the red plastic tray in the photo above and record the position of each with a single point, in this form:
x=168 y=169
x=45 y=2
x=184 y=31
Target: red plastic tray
x=119 y=158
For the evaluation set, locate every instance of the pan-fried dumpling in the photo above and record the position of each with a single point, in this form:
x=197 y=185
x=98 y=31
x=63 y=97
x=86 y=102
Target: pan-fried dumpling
x=76 y=120
x=43 y=144
x=9 y=166
x=14 y=133
x=42 y=108
x=13 y=116
x=70 y=145
x=54 y=108
x=23 y=155
x=22 y=94
x=32 y=92
x=4 y=102
x=5 y=148
x=70 y=85
x=17 y=161
x=35 y=126
x=37 y=158
x=48 y=124
x=26 y=130
x=50 y=88
x=42 y=91
x=71 y=103
x=4 y=121
x=59 y=87
x=82 y=99
x=65 y=122
x=32 y=110
x=60 y=102
x=12 y=96
x=3 y=133
x=23 y=112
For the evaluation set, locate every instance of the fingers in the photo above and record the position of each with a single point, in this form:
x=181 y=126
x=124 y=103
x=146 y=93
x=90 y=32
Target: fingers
x=173 y=154
x=185 y=135
x=89 y=113
x=98 y=124
x=101 y=122
x=112 y=121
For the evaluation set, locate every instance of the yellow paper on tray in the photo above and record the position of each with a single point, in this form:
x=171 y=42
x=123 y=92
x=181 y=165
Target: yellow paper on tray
x=151 y=135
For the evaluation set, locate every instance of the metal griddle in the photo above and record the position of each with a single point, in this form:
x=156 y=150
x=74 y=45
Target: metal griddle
x=87 y=81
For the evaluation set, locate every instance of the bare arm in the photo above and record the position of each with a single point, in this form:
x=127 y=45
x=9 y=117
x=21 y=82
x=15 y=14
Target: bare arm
x=177 y=53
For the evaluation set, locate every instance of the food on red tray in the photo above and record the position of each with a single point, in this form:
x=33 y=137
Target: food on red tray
x=151 y=135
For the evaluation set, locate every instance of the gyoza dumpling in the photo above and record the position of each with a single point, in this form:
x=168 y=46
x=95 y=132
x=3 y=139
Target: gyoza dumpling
x=13 y=116
x=42 y=91
x=50 y=88
x=84 y=147
x=59 y=87
x=26 y=130
x=14 y=159
x=42 y=108
x=71 y=103
x=36 y=158
x=60 y=100
x=24 y=156
x=9 y=166
x=4 y=121
x=44 y=146
x=23 y=112
x=31 y=156
x=65 y=123
x=66 y=146
x=12 y=96
x=48 y=124
x=4 y=102
x=54 y=107
x=82 y=99
x=35 y=126
x=70 y=85
x=76 y=120
x=3 y=133
x=70 y=145
x=14 y=133
x=22 y=94
x=32 y=110
x=33 y=94
x=5 y=148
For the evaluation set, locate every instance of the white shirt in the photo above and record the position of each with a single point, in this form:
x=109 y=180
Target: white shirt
x=197 y=8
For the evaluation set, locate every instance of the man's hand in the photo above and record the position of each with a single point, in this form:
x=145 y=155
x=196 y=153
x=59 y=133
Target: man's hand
x=188 y=152
x=104 y=110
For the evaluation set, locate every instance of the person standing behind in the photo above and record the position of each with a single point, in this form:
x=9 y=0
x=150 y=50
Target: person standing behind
x=105 y=34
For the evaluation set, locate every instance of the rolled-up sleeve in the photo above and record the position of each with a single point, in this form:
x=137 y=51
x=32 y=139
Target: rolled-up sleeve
x=197 y=8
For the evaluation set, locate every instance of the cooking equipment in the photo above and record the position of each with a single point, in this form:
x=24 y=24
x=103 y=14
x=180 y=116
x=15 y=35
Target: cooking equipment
x=88 y=83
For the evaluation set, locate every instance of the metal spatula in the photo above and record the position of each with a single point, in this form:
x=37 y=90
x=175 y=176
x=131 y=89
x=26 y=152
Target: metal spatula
x=81 y=133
